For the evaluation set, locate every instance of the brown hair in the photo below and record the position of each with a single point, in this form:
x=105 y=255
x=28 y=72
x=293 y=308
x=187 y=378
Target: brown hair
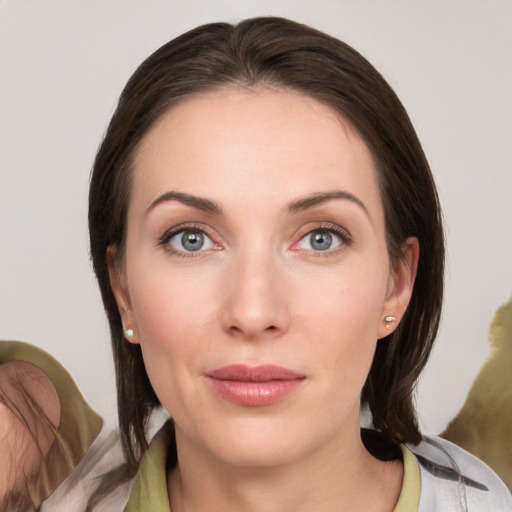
x=278 y=53
x=34 y=470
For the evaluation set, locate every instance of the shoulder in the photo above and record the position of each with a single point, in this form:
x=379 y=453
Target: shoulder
x=453 y=479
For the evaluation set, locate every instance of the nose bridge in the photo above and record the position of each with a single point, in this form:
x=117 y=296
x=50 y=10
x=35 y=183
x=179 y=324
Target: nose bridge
x=255 y=304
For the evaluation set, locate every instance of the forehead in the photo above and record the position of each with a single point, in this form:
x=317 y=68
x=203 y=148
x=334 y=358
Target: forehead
x=260 y=143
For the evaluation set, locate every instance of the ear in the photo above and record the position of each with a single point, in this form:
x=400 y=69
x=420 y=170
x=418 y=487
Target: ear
x=400 y=287
x=119 y=287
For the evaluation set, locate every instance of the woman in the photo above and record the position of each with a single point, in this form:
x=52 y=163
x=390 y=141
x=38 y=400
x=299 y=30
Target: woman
x=267 y=238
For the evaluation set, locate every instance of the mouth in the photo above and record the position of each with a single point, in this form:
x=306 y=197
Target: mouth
x=254 y=386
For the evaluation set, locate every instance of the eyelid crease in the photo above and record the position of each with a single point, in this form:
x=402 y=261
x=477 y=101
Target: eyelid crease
x=325 y=226
x=344 y=235
x=346 y=239
x=164 y=240
x=186 y=226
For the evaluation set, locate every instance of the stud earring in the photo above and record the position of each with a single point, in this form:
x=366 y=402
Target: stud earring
x=128 y=333
x=389 y=320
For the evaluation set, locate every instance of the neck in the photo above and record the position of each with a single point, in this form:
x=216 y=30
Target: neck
x=346 y=478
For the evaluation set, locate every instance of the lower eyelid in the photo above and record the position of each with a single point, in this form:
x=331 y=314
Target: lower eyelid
x=165 y=241
x=208 y=241
x=342 y=235
x=336 y=237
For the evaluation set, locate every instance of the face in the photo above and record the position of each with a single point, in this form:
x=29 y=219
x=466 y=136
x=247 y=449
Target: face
x=256 y=277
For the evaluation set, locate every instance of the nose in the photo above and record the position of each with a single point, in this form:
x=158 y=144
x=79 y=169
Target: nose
x=256 y=303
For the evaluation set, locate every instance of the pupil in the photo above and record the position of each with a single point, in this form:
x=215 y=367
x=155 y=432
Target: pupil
x=321 y=241
x=192 y=241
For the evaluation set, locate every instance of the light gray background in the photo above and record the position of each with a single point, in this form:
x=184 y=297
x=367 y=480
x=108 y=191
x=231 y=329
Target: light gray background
x=63 y=64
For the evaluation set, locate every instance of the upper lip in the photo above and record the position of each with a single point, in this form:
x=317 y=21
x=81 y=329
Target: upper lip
x=261 y=373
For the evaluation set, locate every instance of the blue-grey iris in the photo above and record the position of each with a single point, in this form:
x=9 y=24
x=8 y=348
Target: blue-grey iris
x=192 y=240
x=320 y=240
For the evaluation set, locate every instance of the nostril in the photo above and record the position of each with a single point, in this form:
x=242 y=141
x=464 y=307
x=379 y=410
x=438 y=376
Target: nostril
x=271 y=328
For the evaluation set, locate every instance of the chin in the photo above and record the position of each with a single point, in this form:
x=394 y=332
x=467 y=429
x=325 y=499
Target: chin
x=263 y=442
x=257 y=453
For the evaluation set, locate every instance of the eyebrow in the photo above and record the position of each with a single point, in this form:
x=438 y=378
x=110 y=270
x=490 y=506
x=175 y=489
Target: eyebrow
x=305 y=203
x=201 y=203
x=298 y=205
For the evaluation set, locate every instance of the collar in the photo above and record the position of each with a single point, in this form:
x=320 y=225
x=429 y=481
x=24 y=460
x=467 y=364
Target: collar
x=149 y=489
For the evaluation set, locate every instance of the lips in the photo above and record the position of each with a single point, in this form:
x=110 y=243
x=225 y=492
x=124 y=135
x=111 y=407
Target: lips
x=254 y=386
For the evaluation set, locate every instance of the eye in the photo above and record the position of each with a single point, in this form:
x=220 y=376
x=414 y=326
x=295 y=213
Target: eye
x=320 y=240
x=190 y=240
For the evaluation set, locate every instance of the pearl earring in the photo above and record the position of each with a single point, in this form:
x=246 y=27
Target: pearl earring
x=128 y=333
x=389 y=320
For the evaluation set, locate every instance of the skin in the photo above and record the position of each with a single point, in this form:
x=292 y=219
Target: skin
x=260 y=293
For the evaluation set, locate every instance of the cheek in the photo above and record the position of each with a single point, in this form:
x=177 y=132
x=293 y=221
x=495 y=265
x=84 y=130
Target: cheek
x=341 y=318
x=169 y=301
x=174 y=313
x=346 y=301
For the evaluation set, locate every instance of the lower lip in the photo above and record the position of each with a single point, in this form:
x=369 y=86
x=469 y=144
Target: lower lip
x=254 y=394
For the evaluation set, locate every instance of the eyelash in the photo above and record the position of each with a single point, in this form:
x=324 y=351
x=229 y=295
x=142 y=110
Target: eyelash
x=343 y=234
x=327 y=227
x=166 y=237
